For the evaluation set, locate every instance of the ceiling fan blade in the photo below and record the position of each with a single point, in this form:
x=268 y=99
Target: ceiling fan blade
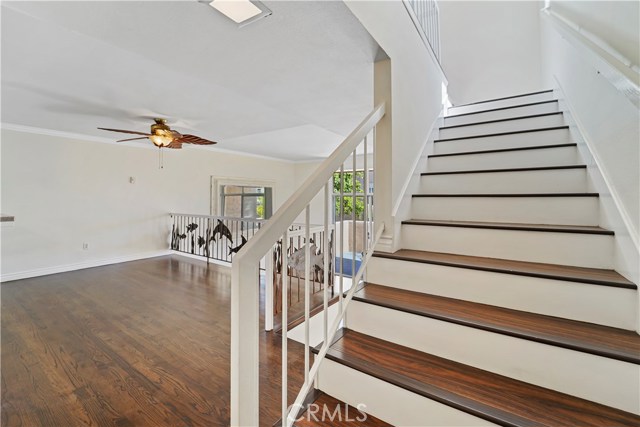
x=192 y=139
x=174 y=144
x=132 y=139
x=125 y=131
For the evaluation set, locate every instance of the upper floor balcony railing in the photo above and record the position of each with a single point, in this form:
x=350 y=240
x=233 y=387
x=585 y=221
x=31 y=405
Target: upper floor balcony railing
x=426 y=16
x=212 y=237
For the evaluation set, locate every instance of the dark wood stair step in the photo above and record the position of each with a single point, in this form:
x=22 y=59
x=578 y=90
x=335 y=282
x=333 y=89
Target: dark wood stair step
x=594 y=276
x=503 y=133
x=501 y=108
x=589 y=338
x=493 y=397
x=336 y=414
x=579 y=229
x=507 y=195
x=528 y=169
x=504 y=97
x=508 y=119
x=504 y=150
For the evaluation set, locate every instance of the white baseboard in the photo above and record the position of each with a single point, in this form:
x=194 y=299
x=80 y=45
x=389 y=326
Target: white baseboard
x=79 y=266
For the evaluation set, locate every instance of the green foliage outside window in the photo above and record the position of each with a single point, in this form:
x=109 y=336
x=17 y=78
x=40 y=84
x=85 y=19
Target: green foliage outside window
x=260 y=208
x=347 y=200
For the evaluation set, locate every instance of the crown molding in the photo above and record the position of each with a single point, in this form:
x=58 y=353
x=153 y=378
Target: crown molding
x=54 y=133
x=91 y=138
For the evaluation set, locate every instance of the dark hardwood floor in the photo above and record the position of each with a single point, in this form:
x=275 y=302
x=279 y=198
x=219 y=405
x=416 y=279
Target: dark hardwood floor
x=143 y=343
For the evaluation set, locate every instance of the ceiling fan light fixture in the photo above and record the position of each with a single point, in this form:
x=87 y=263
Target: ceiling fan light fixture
x=161 y=140
x=242 y=12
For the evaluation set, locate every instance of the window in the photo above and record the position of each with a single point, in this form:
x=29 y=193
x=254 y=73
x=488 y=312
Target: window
x=344 y=181
x=240 y=201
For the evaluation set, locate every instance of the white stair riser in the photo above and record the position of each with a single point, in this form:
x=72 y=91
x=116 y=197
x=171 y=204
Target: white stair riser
x=542 y=181
x=520 y=100
x=504 y=126
x=600 y=379
x=515 y=159
x=577 y=249
x=527 y=139
x=550 y=107
x=584 y=302
x=532 y=210
x=388 y=402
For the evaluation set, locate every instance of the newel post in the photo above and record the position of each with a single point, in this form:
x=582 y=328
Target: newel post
x=245 y=345
x=383 y=153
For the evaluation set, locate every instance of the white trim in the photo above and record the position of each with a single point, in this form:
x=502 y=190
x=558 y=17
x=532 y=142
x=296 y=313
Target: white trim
x=57 y=133
x=91 y=138
x=419 y=158
x=626 y=219
x=80 y=266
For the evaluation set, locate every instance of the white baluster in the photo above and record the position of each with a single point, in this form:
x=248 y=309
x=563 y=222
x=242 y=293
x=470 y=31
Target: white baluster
x=365 y=215
x=268 y=291
x=325 y=270
x=307 y=290
x=341 y=288
x=284 y=320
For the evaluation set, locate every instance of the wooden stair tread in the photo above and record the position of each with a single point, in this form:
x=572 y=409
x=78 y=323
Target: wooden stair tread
x=504 y=97
x=594 y=276
x=527 y=169
x=504 y=150
x=528 y=104
x=585 y=229
x=580 y=336
x=507 y=119
x=514 y=132
x=347 y=416
x=504 y=195
x=496 y=398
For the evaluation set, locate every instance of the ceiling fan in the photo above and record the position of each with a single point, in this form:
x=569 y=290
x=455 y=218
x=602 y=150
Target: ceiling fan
x=162 y=136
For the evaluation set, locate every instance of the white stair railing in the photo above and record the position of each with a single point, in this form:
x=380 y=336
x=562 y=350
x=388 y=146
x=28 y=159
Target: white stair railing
x=245 y=292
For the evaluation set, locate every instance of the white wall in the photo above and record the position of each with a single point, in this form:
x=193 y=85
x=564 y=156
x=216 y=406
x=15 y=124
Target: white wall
x=416 y=86
x=490 y=49
x=609 y=124
x=65 y=192
x=617 y=22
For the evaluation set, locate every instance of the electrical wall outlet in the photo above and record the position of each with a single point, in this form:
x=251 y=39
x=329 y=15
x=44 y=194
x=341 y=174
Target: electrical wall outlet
x=85 y=246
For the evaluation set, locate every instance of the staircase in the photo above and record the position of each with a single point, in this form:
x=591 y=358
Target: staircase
x=503 y=306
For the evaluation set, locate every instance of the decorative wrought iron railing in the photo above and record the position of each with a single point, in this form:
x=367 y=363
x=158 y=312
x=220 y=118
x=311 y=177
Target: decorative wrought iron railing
x=295 y=266
x=212 y=237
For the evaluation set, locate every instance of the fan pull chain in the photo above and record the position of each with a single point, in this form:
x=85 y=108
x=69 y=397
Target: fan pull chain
x=160 y=158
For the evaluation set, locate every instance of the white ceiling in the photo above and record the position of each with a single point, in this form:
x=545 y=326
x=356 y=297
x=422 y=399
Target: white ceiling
x=291 y=86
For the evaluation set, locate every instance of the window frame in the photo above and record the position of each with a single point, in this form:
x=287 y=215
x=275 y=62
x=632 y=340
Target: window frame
x=216 y=207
